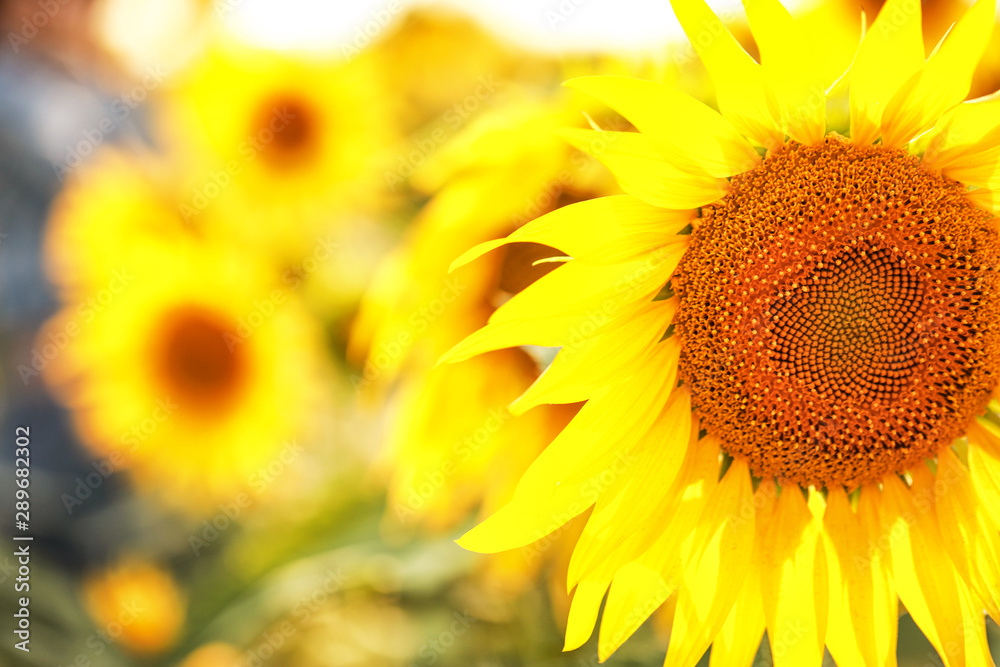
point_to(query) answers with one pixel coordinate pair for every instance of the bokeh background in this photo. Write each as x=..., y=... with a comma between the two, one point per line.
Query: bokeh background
x=225, y=233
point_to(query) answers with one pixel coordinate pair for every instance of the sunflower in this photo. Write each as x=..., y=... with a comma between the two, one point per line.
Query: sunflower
x=216, y=654
x=287, y=143
x=198, y=374
x=442, y=469
x=787, y=341
x=428, y=42
x=135, y=604
x=110, y=215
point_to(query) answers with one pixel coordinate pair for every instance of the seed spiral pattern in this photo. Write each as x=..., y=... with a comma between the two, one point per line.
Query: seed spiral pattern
x=839, y=314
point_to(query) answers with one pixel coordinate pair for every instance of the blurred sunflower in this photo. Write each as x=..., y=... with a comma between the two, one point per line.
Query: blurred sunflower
x=444, y=66
x=288, y=144
x=216, y=654
x=196, y=373
x=789, y=344
x=505, y=168
x=136, y=605
x=110, y=215
x=938, y=17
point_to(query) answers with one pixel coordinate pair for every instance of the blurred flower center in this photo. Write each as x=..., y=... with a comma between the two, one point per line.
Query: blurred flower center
x=288, y=130
x=202, y=358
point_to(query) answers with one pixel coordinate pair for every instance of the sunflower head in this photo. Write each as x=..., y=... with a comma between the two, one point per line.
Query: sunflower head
x=786, y=335
x=216, y=654
x=195, y=373
x=110, y=215
x=137, y=604
x=282, y=142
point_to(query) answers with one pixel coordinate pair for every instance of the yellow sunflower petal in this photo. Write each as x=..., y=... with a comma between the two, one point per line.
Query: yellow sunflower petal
x=984, y=466
x=943, y=82
x=740, y=83
x=890, y=53
x=604, y=229
x=923, y=573
x=657, y=545
x=965, y=140
x=738, y=640
x=588, y=363
x=583, y=612
x=652, y=469
x=969, y=535
x=978, y=168
x=885, y=603
x=842, y=530
x=796, y=81
x=609, y=525
x=986, y=434
x=520, y=522
x=556, y=306
x=794, y=583
x=636, y=592
x=544, y=500
x=977, y=648
x=863, y=610
x=590, y=453
x=688, y=133
x=986, y=199
x=642, y=171
x=585, y=559
x=716, y=568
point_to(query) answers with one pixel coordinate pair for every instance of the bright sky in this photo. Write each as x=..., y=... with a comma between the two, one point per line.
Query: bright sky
x=541, y=24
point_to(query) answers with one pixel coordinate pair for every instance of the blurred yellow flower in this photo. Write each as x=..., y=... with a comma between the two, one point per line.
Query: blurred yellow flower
x=453, y=447
x=136, y=605
x=111, y=214
x=358, y=630
x=288, y=144
x=436, y=61
x=197, y=371
x=938, y=18
x=216, y=654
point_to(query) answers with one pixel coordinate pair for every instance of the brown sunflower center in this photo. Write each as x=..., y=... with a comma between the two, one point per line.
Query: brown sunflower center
x=201, y=358
x=849, y=327
x=840, y=314
x=287, y=130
